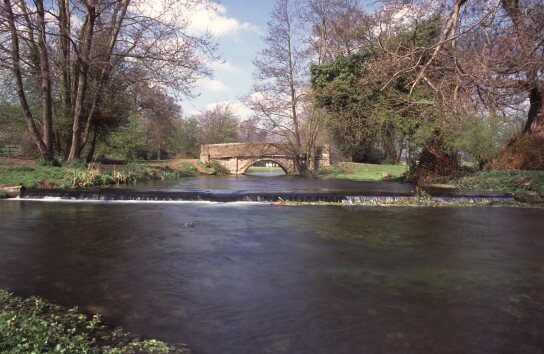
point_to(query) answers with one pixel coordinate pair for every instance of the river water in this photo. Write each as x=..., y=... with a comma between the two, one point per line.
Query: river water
x=261, y=278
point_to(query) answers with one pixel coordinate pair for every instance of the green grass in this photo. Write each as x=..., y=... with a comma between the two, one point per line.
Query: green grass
x=254, y=169
x=32, y=176
x=362, y=172
x=33, y=325
x=39, y=176
x=526, y=185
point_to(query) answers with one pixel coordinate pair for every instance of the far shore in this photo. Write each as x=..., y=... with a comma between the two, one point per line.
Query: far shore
x=16, y=173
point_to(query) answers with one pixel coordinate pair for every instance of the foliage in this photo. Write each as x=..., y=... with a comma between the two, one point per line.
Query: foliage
x=33, y=325
x=203, y=167
x=186, y=141
x=159, y=113
x=127, y=142
x=436, y=159
x=350, y=121
x=482, y=139
x=373, y=116
x=95, y=176
x=218, y=168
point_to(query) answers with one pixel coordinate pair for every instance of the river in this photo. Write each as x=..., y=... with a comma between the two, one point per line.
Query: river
x=262, y=278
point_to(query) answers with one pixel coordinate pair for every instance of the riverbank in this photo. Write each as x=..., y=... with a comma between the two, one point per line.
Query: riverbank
x=34, y=325
x=30, y=174
x=525, y=186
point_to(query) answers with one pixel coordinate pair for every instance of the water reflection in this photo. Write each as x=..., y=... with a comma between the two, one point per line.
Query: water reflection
x=235, y=278
x=258, y=183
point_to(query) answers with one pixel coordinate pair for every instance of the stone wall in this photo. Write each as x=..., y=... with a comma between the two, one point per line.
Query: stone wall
x=221, y=151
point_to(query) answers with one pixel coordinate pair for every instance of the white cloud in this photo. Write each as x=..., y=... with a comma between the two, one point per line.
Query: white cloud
x=224, y=66
x=200, y=18
x=241, y=111
x=214, y=19
x=213, y=85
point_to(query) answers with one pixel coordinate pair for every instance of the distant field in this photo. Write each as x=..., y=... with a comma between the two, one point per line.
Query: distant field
x=368, y=172
x=264, y=169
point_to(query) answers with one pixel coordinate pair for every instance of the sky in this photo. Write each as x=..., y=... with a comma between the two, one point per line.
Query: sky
x=239, y=26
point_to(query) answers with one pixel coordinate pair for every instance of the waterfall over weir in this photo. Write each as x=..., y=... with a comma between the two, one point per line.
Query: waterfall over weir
x=228, y=196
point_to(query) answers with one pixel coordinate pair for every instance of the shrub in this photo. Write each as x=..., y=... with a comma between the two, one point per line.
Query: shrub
x=218, y=168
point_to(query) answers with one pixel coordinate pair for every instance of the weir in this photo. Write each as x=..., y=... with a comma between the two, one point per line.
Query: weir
x=247, y=196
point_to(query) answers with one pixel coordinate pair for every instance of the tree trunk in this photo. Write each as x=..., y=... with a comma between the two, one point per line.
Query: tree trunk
x=92, y=148
x=65, y=87
x=45, y=73
x=45, y=151
x=535, y=117
x=82, y=82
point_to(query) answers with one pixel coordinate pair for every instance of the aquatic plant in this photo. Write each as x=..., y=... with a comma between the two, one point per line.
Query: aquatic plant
x=33, y=325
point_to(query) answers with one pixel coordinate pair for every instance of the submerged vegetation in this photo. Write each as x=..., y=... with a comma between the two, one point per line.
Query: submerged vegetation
x=33, y=325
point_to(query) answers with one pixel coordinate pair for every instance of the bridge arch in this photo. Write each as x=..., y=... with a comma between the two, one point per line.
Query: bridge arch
x=253, y=162
x=236, y=158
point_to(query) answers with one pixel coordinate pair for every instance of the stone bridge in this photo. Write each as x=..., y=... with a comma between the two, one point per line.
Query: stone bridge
x=238, y=157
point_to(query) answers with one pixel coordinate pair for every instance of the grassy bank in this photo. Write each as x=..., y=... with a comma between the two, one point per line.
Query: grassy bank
x=525, y=185
x=33, y=325
x=35, y=175
x=361, y=171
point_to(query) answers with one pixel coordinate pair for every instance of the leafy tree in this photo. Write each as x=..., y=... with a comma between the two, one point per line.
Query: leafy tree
x=482, y=139
x=186, y=141
x=159, y=113
x=128, y=142
x=349, y=120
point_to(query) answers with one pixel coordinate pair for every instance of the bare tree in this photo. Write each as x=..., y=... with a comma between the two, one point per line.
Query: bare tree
x=86, y=45
x=280, y=79
x=495, y=50
x=218, y=125
x=249, y=131
x=334, y=28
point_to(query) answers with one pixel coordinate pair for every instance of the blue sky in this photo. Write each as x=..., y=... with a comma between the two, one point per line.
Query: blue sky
x=239, y=26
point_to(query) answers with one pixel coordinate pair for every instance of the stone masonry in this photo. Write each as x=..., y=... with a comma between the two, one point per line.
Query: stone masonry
x=238, y=157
